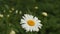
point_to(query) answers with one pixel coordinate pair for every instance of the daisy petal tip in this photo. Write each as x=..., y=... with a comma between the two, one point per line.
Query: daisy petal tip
x=37, y=30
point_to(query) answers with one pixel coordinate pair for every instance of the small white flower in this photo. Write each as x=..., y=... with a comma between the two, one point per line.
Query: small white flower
x=20, y=12
x=16, y=11
x=10, y=11
x=44, y=13
x=4, y=11
x=12, y=8
x=1, y=15
x=8, y=15
x=12, y=32
x=30, y=23
x=36, y=7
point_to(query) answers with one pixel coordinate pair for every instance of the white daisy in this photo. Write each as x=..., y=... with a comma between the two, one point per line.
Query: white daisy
x=30, y=23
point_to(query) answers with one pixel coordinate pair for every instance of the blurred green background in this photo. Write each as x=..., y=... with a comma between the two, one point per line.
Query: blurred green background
x=11, y=11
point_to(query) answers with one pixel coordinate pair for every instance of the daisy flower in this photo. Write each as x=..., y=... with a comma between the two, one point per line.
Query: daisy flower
x=30, y=23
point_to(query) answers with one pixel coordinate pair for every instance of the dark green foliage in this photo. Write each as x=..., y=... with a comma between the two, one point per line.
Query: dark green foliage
x=51, y=23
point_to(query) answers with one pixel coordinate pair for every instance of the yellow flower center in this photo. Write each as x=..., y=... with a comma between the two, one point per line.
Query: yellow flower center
x=30, y=23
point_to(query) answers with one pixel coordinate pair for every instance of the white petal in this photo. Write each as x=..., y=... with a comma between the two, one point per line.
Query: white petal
x=24, y=26
x=24, y=17
x=31, y=29
x=35, y=18
x=37, y=29
x=31, y=17
x=23, y=21
x=34, y=29
x=40, y=26
x=28, y=16
x=27, y=29
x=38, y=21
